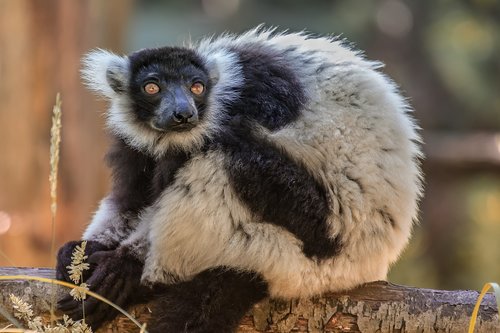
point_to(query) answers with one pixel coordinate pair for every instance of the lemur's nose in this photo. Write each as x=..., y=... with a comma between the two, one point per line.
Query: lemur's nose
x=184, y=115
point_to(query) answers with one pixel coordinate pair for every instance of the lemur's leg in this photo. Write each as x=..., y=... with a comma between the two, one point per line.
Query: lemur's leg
x=213, y=301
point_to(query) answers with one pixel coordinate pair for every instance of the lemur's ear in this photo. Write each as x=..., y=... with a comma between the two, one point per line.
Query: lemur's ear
x=105, y=72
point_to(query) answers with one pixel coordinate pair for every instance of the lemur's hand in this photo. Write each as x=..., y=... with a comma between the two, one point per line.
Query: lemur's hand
x=64, y=258
x=116, y=276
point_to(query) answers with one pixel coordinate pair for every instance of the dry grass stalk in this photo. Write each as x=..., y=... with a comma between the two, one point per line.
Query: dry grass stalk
x=23, y=311
x=78, y=265
x=55, y=140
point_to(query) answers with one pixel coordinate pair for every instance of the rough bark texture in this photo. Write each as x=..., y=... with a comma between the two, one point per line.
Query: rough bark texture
x=376, y=307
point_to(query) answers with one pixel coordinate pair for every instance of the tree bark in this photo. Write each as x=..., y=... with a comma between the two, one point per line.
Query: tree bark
x=375, y=307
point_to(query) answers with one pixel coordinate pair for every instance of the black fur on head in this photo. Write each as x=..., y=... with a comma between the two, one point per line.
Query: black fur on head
x=172, y=71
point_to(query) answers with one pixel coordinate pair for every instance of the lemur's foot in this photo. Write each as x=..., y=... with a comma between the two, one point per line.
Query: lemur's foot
x=213, y=301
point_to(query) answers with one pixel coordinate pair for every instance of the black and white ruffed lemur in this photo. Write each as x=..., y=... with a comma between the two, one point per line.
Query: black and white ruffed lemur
x=265, y=164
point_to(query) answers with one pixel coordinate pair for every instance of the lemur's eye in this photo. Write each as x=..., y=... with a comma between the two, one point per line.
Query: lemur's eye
x=197, y=88
x=151, y=88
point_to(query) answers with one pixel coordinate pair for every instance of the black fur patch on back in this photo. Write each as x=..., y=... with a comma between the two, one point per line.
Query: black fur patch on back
x=279, y=190
x=271, y=94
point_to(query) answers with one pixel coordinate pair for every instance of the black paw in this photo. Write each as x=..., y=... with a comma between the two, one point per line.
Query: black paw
x=64, y=258
x=116, y=276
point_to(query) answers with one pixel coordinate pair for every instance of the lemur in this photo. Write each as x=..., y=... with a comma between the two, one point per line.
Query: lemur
x=243, y=167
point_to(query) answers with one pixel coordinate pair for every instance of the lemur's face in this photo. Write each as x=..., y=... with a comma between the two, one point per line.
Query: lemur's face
x=164, y=98
x=168, y=88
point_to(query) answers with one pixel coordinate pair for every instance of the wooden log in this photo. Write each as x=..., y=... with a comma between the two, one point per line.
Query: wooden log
x=375, y=307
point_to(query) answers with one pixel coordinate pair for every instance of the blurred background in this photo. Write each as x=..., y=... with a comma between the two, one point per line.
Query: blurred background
x=445, y=55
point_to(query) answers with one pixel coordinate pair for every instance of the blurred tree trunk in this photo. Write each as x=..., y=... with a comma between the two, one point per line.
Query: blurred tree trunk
x=42, y=43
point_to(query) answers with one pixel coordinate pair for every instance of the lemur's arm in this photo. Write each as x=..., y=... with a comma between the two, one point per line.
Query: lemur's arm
x=116, y=272
x=131, y=192
x=281, y=191
x=116, y=217
x=116, y=240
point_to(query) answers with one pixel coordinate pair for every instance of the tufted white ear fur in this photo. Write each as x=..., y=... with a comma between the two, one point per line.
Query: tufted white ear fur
x=105, y=73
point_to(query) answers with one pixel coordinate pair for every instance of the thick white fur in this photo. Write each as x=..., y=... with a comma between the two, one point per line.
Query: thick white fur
x=354, y=135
